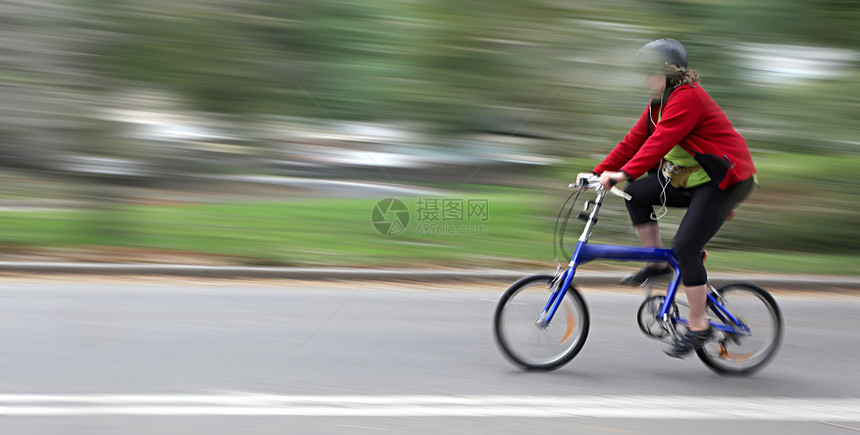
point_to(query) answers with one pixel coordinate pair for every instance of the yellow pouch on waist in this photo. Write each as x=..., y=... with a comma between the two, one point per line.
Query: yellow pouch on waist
x=677, y=175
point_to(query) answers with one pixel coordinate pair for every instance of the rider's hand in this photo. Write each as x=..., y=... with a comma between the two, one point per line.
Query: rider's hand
x=582, y=175
x=608, y=176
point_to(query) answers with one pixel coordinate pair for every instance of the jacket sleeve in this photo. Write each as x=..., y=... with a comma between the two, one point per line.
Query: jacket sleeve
x=627, y=148
x=683, y=111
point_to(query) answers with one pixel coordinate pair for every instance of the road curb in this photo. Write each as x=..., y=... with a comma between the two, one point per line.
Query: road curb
x=584, y=278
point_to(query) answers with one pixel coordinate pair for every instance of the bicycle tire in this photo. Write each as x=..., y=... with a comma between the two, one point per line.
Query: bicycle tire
x=744, y=355
x=518, y=310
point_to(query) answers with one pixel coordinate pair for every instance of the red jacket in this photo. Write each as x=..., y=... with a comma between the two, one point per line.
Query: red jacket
x=691, y=119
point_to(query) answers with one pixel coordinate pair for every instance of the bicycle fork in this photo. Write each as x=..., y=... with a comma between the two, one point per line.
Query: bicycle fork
x=559, y=286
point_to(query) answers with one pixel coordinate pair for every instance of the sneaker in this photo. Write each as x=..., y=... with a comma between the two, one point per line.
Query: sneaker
x=691, y=341
x=647, y=272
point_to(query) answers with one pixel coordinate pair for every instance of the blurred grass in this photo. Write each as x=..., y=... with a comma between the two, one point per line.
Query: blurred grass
x=300, y=232
x=802, y=220
x=338, y=232
x=782, y=262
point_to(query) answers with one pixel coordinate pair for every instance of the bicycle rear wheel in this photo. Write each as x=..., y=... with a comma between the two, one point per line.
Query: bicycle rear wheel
x=519, y=334
x=744, y=353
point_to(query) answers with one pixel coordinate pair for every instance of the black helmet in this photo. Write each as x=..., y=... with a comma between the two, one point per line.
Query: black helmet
x=663, y=52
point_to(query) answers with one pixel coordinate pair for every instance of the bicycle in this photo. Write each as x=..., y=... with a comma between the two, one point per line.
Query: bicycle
x=541, y=322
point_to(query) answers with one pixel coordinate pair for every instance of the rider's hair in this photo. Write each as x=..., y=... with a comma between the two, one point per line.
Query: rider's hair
x=677, y=76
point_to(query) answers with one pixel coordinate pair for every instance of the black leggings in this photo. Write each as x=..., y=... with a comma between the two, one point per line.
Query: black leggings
x=708, y=207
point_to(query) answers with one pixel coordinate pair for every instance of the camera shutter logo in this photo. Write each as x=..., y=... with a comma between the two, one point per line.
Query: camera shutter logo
x=390, y=217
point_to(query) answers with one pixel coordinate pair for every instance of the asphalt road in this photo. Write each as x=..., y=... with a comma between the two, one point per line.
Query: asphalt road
x=156, y=356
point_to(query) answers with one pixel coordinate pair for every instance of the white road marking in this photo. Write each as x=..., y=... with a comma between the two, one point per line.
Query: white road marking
x=249, y=404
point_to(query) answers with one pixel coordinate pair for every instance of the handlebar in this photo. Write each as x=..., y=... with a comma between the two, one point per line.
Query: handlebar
x=584, y=183
x=593, y=182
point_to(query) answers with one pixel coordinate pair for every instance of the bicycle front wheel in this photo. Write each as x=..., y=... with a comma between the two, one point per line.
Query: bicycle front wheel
x=758, y=336
x=520, y=335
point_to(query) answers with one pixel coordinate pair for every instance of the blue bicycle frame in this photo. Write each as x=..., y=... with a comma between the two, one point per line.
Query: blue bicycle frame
x=585, y=253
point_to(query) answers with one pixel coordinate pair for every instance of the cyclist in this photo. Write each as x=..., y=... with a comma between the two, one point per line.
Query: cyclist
x=695, y=159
